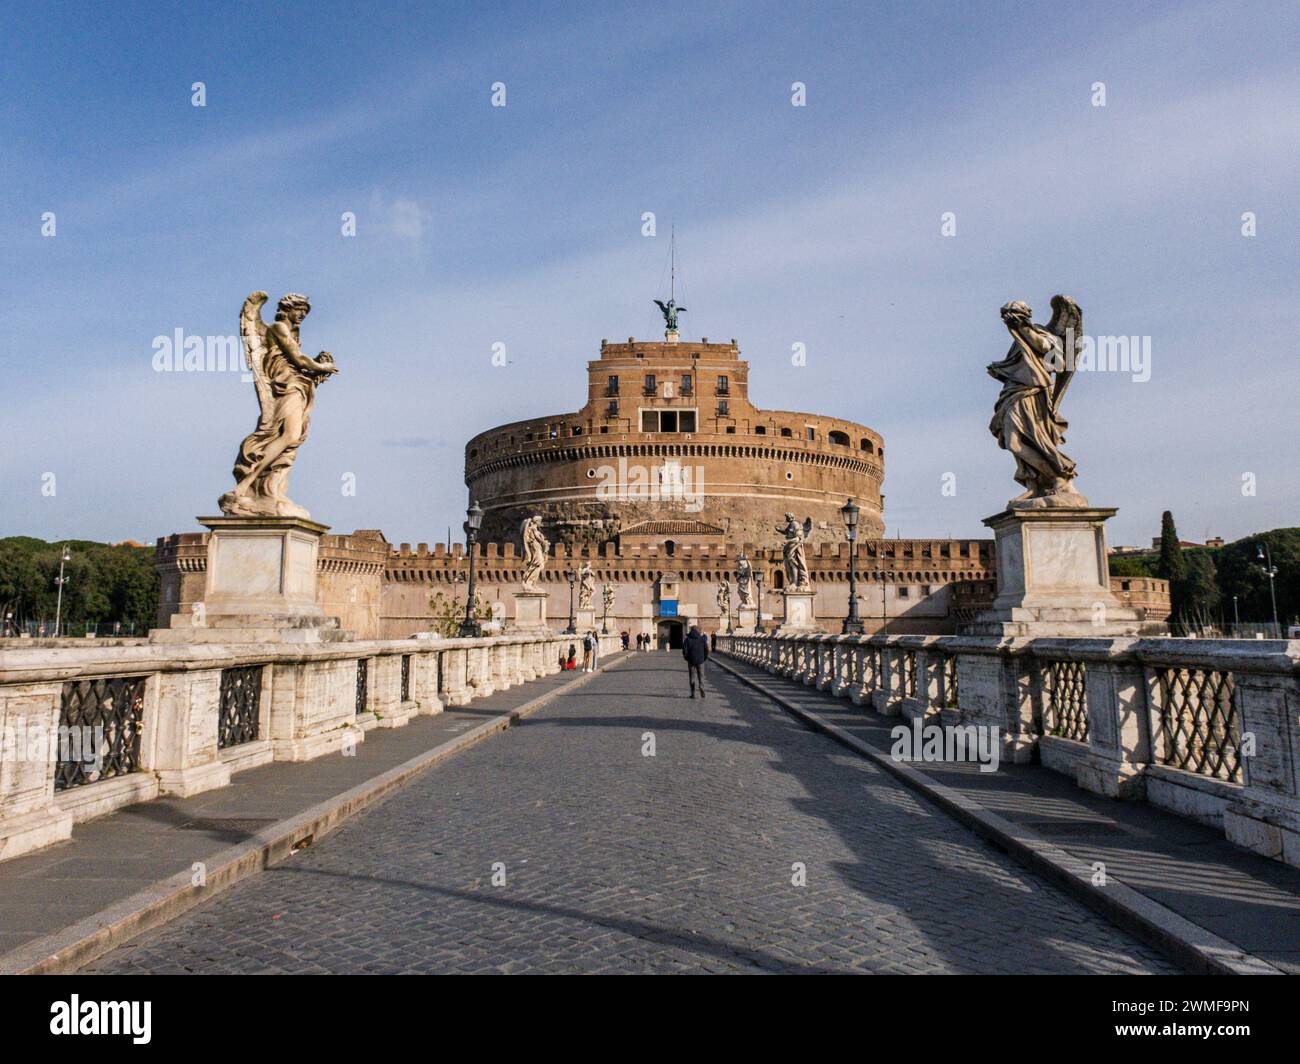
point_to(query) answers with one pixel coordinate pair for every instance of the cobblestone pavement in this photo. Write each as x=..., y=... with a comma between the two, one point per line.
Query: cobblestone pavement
x=615, y=861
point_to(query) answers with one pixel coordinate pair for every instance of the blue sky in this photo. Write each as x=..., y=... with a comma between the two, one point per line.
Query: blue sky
x=522, y=225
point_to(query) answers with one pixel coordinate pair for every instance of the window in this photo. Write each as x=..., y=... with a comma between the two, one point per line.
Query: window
x=668, y=420
x=731, y=430
x=723, y=388
x=760, y=430
x=612, y=410
x=670, y=548
x=866, y=445
x=649, y=384
x=925, y=590
x=904, y=592
x=723, y=408
x=786, y=433
x=576, y=430
x=840, y=438
x=611, y=386
x=686, y=384
x=812, y=432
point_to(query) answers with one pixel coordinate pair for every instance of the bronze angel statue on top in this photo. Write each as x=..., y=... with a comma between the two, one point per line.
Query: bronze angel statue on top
x=670, y=310
x=286, y=381
x=1027, y=418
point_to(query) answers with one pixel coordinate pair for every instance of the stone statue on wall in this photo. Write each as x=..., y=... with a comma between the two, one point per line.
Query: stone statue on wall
x=285, y=380
x=796, y=564
x=586, y=586
x=744, y=581
x=724, y=597
x=535, y=547
x=1027, y=419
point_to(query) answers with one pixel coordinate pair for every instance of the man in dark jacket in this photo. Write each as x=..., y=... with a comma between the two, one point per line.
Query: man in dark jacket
x=695, y=649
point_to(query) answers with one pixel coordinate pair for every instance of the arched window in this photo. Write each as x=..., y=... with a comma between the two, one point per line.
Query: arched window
x=778, y=580
x=786, y=433
x=866, y=445
x=669, y=547
x=840, y=438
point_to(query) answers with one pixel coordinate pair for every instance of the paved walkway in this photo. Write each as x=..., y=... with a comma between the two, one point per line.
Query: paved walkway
x=110, y=859
x=614, y=861
x=1192, y=869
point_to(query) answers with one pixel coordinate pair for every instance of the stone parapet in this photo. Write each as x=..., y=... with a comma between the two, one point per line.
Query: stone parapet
x=1204, y=728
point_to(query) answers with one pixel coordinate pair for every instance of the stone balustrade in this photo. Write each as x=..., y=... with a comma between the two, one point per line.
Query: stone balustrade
x=87, y=730
x=1209, y=729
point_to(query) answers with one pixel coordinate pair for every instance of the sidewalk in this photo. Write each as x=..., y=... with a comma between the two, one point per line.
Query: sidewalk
x=1178, y=883
x=132, y=870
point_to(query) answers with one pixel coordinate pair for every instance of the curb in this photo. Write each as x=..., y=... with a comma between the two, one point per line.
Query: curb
x=1189, y=945
x=77, y=945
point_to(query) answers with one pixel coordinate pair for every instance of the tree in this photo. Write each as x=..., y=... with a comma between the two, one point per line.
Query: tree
x=1201, y=596
x=1172, y=566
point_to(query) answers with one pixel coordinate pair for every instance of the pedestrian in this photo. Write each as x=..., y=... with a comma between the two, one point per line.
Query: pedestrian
x=572, y=663
x=713, y=643
x=627, y=639
x=590, y=650
x=695, y=649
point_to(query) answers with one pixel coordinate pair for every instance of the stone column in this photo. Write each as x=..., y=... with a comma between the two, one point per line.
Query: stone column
x=29, y=816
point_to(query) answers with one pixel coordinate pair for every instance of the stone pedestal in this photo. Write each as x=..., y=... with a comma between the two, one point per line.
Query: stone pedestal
x=1053, y=576
x=260, y=586
x=798, y=617
x=530, y=611
x=585, y=620
x=746, y=620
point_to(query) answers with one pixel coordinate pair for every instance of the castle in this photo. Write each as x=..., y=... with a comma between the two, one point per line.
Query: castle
x=660, y=480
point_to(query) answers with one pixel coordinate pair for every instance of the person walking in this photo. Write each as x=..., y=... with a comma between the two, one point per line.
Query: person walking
x=590, y=652
x=695, y=649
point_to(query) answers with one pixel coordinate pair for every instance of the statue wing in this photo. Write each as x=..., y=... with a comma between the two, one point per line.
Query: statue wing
x=1067, y=324
x=660, y=304
x=256, y=348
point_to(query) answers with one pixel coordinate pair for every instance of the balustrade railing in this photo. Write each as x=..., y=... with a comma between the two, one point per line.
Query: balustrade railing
x=1206, y=728
x=131, y=721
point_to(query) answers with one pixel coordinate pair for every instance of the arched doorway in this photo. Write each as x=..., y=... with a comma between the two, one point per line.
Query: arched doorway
x=669, y=634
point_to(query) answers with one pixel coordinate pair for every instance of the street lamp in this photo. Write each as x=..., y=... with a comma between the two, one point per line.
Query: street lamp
x=470, y=626
x=758, y=583
x=571, y=576
x=852, y=624
x=1265, y=556
x=604, y=617
x=60, y=580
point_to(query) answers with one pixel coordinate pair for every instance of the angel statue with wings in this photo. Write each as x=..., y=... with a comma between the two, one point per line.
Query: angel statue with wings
x=535, y=547
x=286, y=381
x=796, y=565
x=1027, y=418
x=744, y=581
x=670, y=310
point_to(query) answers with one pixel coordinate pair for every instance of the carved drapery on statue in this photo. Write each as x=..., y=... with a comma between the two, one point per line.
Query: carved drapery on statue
x=285, y=380
x=586, y=586
x=1027, y=419
x=744, y=582
x=796, y=564
x=535, y=547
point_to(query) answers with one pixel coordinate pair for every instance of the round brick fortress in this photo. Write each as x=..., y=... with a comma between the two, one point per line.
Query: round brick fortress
x=668, y=435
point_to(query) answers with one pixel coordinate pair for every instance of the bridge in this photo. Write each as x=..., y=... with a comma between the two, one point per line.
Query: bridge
x=554, y=821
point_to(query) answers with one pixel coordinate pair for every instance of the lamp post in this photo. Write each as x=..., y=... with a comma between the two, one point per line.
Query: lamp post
x=1236, y=618
x=571, y=576
x=1265, y=556
x=758, y=583
x=470, y=626
x=59, y=581
x=852, y=624
x=604, y=617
